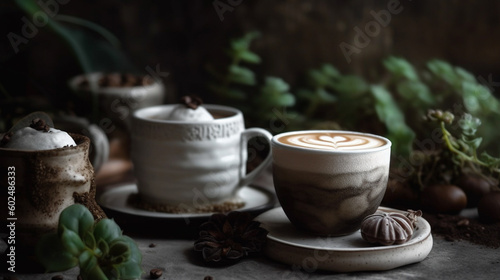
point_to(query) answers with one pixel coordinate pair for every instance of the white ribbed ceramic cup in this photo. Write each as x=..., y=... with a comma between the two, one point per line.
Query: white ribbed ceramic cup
x=188, y=166
x=324, y=186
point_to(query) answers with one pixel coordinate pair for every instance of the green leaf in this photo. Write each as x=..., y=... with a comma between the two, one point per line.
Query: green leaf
x=76, y=218
x=465, y=75
x=93, y=53
x=350, y=85
x=103, y=247
x=131, y=269
x=248, y=56
x=330, y=71
x=51, y=253
x=243, y=43
x=241, y=75
x=274, y=93
x=490, y=160
x=325, y=96
x=119, y=248
x=275, y=85
x=89, y=267
x=415, y=91
x=317, y=78
x=286, y=99
x=478, y=99
x=401, y=68
x=107, y=230
x=89, y=240
x=400, y=134
x=72, y=242
x=443, y=70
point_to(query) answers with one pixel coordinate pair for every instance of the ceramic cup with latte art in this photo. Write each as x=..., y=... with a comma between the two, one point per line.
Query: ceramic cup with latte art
x=327, y=181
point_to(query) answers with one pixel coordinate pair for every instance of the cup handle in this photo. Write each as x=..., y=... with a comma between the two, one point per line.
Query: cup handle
x=246, y=135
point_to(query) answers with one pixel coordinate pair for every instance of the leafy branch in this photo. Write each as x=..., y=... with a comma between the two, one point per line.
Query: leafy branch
x=464, y=147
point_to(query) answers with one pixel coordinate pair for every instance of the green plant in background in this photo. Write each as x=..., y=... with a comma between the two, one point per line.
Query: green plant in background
x=392, y=106
x=98, y=248
x=239, y=86
x=95, y=49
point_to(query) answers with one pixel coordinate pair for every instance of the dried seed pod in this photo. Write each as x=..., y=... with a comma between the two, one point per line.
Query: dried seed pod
x=389, y=228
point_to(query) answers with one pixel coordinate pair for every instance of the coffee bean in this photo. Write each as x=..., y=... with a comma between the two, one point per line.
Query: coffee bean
x=57, y=277
x=152, y=245
x=155, y=273
x=208, y=278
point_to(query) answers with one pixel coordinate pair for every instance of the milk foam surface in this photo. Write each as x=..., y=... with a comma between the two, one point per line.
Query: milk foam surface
x=332, y=141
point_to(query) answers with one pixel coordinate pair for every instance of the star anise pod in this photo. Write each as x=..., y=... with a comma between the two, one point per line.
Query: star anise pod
x=229, y=238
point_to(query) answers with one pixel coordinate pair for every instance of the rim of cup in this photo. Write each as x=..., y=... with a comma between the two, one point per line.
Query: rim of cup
x=276, y=142
x=147, y=113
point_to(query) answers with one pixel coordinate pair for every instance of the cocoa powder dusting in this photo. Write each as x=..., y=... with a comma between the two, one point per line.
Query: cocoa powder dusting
x=456, y=228
x=224, y=207
x=87, y=199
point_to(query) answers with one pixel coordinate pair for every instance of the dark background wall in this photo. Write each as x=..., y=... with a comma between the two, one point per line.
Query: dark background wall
x=181, y=37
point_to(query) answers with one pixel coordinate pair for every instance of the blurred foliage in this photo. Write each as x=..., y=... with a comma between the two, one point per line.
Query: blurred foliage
x=95, y=49
x=328, y=99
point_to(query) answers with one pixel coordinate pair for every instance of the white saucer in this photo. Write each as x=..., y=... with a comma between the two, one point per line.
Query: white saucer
x=115, y=199
x=349, y=253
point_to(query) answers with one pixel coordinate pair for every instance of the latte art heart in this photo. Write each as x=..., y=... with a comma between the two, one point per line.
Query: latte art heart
x=333, y=141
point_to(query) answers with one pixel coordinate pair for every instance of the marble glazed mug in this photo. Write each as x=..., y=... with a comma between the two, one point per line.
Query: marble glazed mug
x=186, y=167
x=327, y=181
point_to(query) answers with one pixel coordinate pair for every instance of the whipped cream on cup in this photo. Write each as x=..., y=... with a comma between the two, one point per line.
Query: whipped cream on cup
x=190, y=110
x=36, y=137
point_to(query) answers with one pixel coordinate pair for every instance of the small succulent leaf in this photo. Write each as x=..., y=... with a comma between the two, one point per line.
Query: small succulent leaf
x=135, y=254
x=490, y=160
x=76, y=218
x=241, y=75
x=51, y=253
x=317, y=78
x=243, y=43
x=89, y=240
x=103, y=246
x=416, y=91
x=107, y=230
x=330, y=71
x=287, y=100
x=401, y=68
x=325, y=96
x=465, y=75
x=89, y=267
x=248, y=56
x=390, y=114
x=350, y=85
x=443, y=70
x=129, y=270
x=119, y=248
x=72, y=242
